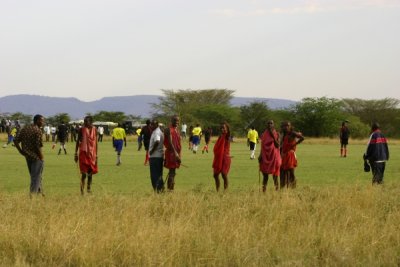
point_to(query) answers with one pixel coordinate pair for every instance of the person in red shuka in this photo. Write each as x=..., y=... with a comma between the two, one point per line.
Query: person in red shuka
x=87, y=145
x=289, y=161
x=222, y=159
x=172, y=143
x=270, y=157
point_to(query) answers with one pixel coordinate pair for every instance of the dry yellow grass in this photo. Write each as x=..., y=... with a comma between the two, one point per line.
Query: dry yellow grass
x=331, y=226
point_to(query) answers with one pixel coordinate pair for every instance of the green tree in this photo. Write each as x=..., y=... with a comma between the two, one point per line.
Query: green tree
x=213, y=115
x=22, y=118
x=58, y=119
x=114, y=116
x=255, y=114
x=183, y=102
x=385, y=111
x=318, y=117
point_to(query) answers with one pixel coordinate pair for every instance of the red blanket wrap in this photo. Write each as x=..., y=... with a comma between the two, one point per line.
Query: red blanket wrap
x=270, y=155
x=170, y=159
x=222, y=159
x=88, y=150
x=289, y=160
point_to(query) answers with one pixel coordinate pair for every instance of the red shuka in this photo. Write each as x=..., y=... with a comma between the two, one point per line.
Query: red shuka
x=289, y=160
x=170, y=159
x=222, y=159
x=270, y=155
x=88, y=150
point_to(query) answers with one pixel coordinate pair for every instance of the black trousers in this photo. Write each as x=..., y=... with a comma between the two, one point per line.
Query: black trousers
x=156, y=173
x=378, y=170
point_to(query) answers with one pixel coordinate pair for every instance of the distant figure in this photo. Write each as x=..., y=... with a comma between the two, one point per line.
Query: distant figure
x=46, y=130
x=87, y=145
x=252, y=140
x=53, y=130
x=270, y=157
x=31, y=139
x=118, y=140
x=196, y=137
x=222, y=159
x=290, y=140
x=62, y=134
x=139, y=138
x=344, y=139
x=190, y=137
x=73, y=132
x=146, y=134
x=156, y=157
x=207, y=138
x=172, y=143
x=11, y=133
x=100, y=131
x=183, y=131
x=377, y=153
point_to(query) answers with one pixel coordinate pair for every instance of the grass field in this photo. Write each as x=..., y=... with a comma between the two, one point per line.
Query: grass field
x=333, y=218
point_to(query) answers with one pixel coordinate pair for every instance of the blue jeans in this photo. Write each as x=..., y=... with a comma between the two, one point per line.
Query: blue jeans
x=156, y=174
x=35, y=168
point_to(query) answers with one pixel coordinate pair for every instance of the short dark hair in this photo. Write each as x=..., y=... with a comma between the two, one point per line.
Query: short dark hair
x=36, y=118
x=375, y=126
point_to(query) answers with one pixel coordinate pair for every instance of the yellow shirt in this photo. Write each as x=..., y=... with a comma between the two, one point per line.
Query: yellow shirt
x=252, y=135
x=119, y=133
x=138, y=131
x=196, y=131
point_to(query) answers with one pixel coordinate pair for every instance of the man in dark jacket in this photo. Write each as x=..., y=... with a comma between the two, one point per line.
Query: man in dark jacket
x=377, y=153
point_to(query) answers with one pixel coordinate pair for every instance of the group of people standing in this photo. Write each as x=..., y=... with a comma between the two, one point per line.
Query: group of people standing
x=277, y=154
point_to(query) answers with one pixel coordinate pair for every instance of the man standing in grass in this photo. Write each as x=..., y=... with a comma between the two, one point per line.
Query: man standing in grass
x=118, y=140
x=146, y=134
x=252, y=140
x=222, y=159
x=344, y=139
x=156, y=157
x=270, y=158
x=172, y=143
x=62, y=135
x=377, y=153
x=31, y=139
x=290, y=141
x=87, y=145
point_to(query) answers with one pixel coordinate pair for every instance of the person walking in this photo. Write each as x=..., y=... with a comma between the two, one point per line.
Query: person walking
x=156, y=157
x=270, y=158
x=196, y=138
x=118, y=140
x=86, y=143
x=62, y=134
x=100, y=131
x=146, y=134
x=344, y=138
x=29, y=144
x=172, y=143
x=377, y=153
x=207, y=138
x=252, y=140
x=290, y=141
x=222, y=159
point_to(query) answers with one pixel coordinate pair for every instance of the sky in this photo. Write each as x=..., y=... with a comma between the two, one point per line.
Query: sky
x=91, y=49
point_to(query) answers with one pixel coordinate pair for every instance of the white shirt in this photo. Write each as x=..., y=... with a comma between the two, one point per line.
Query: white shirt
x=184, y=126
x=157, y=135
x=100, y=130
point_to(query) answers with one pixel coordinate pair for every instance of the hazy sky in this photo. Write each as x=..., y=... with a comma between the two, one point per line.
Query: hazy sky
x=90, y=49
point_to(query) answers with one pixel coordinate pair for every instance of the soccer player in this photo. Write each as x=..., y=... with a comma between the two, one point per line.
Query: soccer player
x=118, y=140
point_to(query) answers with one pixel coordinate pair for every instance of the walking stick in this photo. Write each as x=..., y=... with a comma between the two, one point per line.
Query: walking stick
x=259, y=181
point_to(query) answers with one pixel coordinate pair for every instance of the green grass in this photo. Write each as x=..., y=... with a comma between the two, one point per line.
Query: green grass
x=319, y=165
x=333, y=218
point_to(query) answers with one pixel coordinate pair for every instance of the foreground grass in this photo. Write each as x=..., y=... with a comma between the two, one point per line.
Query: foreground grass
x=334, y=218
x=332, y=226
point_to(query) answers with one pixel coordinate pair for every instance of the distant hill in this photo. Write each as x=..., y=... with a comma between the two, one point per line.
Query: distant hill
x=135, y=105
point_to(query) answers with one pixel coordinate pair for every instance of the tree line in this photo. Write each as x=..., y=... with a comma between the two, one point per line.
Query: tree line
x=314, y=117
